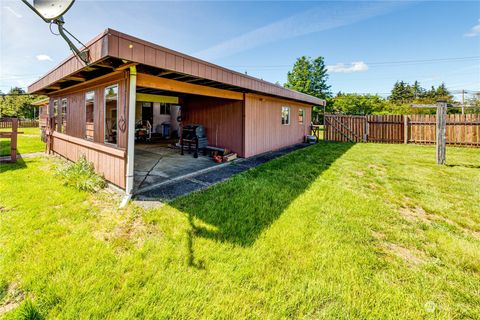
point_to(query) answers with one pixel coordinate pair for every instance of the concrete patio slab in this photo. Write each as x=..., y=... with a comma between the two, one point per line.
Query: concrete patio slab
x=156, y=164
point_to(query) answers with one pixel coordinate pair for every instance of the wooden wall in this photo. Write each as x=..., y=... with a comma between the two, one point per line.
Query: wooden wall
x=109, y=162
x=76, y=109
x=264, y=130
x=222, y=119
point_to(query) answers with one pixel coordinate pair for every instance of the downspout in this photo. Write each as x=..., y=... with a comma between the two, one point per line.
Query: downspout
x=130, y=135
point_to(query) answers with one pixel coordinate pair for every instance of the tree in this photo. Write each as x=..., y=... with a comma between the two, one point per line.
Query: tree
x=310, y=77
x=418, y=91
x=442, y=93
x=401, y=93
x=356, y=104
x=16, y=103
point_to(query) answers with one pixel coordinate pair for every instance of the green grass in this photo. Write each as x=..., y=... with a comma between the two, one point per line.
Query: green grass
x=331, y=231
x=27, y=142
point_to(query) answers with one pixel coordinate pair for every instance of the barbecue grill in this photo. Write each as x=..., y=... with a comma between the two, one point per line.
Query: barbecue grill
x=193, y=134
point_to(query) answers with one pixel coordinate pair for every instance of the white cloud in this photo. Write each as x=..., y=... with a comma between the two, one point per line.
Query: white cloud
x=43, y=57
x=474, y=31
x=18, y=15
x=356, y=66
x=323, y=17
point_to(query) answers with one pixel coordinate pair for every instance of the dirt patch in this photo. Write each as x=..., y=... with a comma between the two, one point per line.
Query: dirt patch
x=14, y=298
x=418, y=214
x=415, y=214
x=378, y=235
x=134, y=231
x=412, y=257
x=379, y=169
x=359, y=173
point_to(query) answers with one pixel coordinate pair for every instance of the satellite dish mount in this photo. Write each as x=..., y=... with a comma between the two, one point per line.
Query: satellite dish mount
x=52, y=11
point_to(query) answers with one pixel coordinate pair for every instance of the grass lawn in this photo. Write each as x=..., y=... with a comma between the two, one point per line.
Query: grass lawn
x=331, y=231
x=27, y=142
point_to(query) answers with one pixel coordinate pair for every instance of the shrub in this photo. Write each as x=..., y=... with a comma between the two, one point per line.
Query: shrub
x=81, y=175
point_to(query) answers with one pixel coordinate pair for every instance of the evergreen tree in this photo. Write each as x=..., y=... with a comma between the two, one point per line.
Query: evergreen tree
x=401, y=93
x=418, y=91
x=442, y=93
x=310, y=77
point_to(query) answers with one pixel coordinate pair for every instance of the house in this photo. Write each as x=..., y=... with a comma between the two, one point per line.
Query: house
x=42, y=105
x=93, y=110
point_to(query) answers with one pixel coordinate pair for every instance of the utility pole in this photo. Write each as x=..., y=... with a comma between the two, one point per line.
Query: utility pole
x=441, y=128
x=463, y=101
x=441, y=131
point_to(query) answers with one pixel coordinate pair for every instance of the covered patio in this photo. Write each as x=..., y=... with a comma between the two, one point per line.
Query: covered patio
x=157, y=165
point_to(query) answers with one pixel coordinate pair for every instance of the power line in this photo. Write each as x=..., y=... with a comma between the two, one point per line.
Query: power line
x=398, y=62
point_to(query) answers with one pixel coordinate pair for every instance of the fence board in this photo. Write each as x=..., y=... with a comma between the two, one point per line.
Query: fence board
x=462, y=130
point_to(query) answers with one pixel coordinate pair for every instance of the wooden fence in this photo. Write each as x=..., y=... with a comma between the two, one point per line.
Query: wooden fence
x=29, y=123
x=462, y=130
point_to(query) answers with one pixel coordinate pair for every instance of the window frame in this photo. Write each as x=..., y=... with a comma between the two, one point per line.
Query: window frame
x=301, y=118
x=93, y=115
x=105, y=114
x=166, y=107
x=285, y=123
x=64, y=106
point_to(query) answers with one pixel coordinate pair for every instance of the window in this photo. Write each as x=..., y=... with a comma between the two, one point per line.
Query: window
x=111, y=101
x=55, y=115
x=164, y=108
x=300, y=116
x=285, y=115
x=63, y=128
x=89, y=108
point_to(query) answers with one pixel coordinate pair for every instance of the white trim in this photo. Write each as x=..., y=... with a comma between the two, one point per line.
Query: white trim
x=132, y=99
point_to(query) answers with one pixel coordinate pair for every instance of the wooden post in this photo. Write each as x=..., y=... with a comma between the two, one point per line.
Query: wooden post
x=365, y=124
x=13, y=140
x=441, y=131
x=405, y=129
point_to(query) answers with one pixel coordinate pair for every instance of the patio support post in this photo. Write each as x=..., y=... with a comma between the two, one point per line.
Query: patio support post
x=131, y=129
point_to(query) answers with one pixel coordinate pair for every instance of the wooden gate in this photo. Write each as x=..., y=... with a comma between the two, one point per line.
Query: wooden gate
x=345, y=128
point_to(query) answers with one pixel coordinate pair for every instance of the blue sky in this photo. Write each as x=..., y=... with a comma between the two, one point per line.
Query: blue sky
x=367, y=45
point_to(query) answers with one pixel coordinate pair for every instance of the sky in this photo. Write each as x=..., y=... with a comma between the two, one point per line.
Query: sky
x=367, y=46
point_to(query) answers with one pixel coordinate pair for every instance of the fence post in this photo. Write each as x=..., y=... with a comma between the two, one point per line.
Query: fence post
x=365, y=125
x=405, y=129
x=13, y=140
x=441, y=131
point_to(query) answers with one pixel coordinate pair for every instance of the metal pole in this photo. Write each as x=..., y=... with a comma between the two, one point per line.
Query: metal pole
x=441, y=131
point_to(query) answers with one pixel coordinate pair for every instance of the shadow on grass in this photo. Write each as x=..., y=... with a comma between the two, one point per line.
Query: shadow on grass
x=469, y=166
x=8, y=166
x=240, y=209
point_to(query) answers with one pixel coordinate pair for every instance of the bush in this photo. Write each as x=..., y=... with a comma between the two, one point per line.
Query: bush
x=81, y=175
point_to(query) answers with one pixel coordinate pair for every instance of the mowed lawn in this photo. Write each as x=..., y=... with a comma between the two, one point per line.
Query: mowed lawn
x=332, y=231
x=27, y=142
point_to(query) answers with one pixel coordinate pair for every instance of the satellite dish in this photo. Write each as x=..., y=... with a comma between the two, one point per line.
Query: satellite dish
x=52, y=9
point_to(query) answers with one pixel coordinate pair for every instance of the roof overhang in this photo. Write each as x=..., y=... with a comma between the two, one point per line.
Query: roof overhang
x=114, y=51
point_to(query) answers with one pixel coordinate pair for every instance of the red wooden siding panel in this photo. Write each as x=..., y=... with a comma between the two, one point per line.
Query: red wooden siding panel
x=264, y=130
x=222, y=119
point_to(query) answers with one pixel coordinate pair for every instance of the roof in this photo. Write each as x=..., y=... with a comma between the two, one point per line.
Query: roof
x=112, y=44
x=40, y=103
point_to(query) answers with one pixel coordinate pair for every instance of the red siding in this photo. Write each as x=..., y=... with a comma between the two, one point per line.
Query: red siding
x=264, y=130
x=222, y=119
